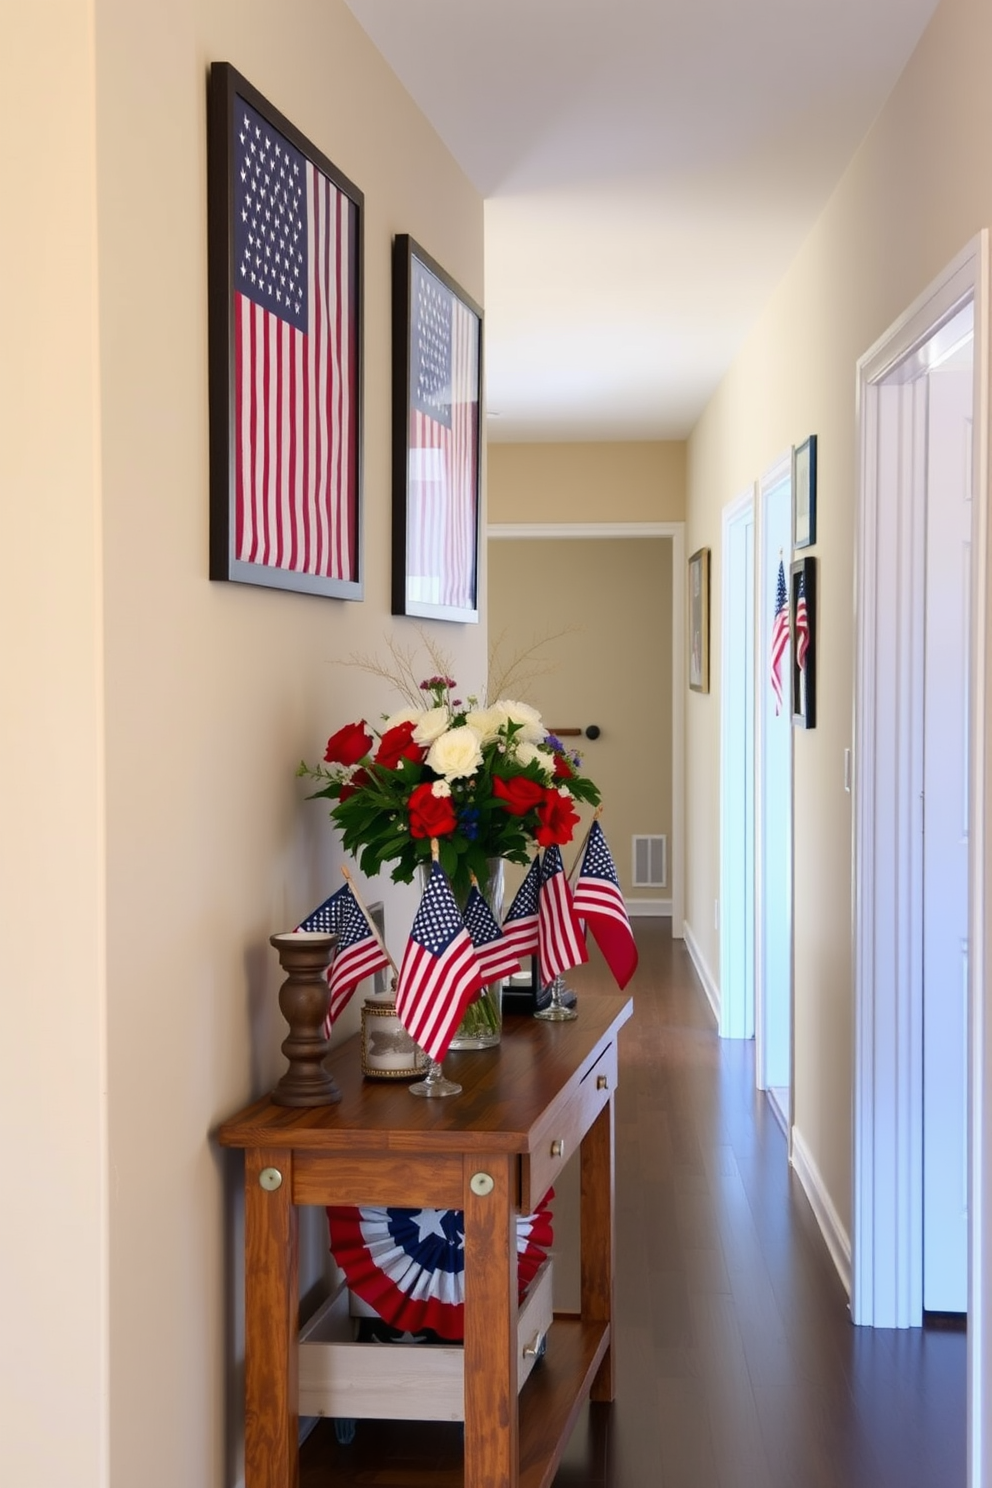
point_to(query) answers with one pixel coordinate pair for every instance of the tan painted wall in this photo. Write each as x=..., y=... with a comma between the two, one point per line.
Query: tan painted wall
x=211, y=694
x=613, y=667
x=52, y=1109
x=918, y=189
x=634, y=482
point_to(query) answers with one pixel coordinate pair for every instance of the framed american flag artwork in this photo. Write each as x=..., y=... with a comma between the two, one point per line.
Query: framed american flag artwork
x=437, y=388
x=802, y=617
x=285, y=292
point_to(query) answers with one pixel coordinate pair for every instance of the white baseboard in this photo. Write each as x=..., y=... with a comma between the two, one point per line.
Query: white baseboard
x=837, y=1239
x=710, y=986
x=660, y=907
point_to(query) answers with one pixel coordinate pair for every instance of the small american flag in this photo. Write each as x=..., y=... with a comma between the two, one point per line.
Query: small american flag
x=561, y=944
x=780, y=636
x=443, y=436
x=359, y=952
x=520, y=921
x=295, y=358
x=802, y=626
x=598, y=900
x=440, y=973
x=494, y=953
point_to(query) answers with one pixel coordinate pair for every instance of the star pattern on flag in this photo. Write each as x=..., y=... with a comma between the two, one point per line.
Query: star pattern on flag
x=270, y=218
x=432, y=346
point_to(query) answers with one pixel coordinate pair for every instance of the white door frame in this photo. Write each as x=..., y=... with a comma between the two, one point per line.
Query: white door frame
x=888, y=1115
x=776, y=475
x=675, y=532
x=736, y=995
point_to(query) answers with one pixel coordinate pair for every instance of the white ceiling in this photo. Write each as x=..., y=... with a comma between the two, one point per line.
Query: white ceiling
x=650, y=169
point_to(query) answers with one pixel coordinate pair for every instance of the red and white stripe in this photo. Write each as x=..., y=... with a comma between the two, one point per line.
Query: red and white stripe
x=561, y=943
x=296, y=458
x=432, y=992
x=355, y=962
x=442, y=462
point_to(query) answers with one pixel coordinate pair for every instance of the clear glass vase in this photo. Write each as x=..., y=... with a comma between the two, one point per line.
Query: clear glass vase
x=482, y=1022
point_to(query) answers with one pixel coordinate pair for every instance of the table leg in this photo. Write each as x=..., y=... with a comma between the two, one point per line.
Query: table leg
x=596, y=1231
x=491, y=1441
x=271, y=1315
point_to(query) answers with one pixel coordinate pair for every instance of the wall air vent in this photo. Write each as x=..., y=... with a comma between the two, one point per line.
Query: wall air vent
x=650, y=862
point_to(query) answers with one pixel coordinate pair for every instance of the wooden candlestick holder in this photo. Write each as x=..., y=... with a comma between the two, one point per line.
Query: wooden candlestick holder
x=303, y=999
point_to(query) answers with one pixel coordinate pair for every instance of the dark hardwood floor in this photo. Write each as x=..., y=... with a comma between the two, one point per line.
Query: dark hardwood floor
x=737, y=1364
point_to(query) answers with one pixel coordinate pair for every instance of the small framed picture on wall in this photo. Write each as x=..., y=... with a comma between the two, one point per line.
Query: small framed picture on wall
x=699, y=621
x=802, y=613
x=804, y=493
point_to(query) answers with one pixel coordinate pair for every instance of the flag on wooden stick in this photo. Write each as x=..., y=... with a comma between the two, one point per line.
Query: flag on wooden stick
x=440, y=974
x=520, y=921
x=495, y=954
x=358, y=953
x=561, y=944
x=598, y=901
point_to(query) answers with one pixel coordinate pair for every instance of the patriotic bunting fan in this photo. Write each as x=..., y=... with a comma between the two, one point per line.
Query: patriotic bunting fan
x=408, y=1264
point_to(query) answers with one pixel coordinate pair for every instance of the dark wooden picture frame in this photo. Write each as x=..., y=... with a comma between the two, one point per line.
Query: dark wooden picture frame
x=285, y=231
x=802, y=629
x=437, y=405
x=804, y=493
x=699, y=620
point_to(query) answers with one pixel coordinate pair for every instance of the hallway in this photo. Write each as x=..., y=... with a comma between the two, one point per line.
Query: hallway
x=737, y=1365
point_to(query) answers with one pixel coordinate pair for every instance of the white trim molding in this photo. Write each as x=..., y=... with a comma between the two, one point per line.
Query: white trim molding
x=646, y=907
x=560, y=530
x=837, y=1240
x=710, y=986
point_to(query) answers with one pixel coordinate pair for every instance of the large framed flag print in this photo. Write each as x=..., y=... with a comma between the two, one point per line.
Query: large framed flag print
x=285, y=291
x=437, y=387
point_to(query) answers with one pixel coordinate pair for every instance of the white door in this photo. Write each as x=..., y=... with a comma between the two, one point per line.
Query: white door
x=736, y=916
x=774, y=962
x=945, y=837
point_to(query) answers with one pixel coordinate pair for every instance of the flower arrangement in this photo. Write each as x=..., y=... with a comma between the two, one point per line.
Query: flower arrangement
x=484, y=781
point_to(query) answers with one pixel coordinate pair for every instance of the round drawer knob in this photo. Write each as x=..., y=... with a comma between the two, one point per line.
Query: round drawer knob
x=558, y=1147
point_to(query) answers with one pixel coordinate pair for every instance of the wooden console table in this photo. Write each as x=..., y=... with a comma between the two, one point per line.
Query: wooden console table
x=523, y=1111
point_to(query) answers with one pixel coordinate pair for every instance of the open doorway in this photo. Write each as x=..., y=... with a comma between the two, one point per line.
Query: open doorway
x=922, y=1110
x=736, y=906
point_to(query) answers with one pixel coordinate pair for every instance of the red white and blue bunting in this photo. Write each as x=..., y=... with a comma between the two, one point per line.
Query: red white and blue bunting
x=409, y=1264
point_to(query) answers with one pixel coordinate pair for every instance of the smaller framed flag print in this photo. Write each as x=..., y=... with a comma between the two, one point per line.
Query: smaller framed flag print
x=699, y=621
x=285, y=289
x=437, y=388
x=802, y=615
x=804, y=493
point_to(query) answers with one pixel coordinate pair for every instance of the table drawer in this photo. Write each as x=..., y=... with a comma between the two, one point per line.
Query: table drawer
x=561, y=1133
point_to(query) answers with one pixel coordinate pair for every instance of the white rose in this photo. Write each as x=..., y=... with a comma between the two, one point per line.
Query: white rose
x=405, y=715
x=431, y=725
x=440, y=788
x=531, y=730
x=487, y=723
x=455, y=754
x=529, y=754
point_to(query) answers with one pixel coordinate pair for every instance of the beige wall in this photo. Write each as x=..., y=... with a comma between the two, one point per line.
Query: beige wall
x=919, y=188
x=613, y=667
x=594, y=482
x=53, y=1301
x=211, y=694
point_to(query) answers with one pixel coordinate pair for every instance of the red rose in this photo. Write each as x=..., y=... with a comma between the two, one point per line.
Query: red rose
x=563, y=770
x=348, y=745
x=396, y=744
x=518, y=795
x=357, y=781
x=558, y=818
x=430, y=815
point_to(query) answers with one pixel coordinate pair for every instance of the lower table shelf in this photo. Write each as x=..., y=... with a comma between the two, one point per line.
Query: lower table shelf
x=428, y=1454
